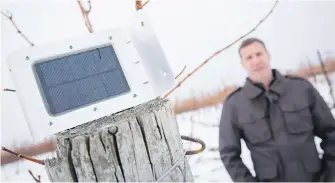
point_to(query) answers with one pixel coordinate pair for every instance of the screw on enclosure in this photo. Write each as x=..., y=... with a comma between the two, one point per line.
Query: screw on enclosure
x=137, y=62
x=110, y=37
x=50, y=123
x=95, y=109
x=27, y=58
x=128, y=42
x=134, y=95
x=142, y=23
x=146, y=82
x=71, y=47
x=113, y=130
x=11, y=90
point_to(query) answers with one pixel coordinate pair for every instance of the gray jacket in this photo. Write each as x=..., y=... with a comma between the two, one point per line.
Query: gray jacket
x=278, y=127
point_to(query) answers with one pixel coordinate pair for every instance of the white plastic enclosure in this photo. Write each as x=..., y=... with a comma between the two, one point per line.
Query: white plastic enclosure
x=64, y=84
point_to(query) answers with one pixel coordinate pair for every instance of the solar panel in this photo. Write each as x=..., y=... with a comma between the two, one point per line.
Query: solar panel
x=81, y=79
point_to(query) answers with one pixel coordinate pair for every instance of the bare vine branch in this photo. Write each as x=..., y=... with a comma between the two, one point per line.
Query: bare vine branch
x=9, y=15
x=139, y=5
x=213, y=149
x=327, y=78
x=207, y=124
x=36, y=179
x=86, y=12
x=180, y=72
x=191, y=134
x=10, y=90
x=221, y=167
x=216, y=53
x=312, y=72
x=23, y=156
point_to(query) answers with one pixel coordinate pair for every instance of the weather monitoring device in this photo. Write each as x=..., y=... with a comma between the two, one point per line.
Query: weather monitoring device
x=64, y=84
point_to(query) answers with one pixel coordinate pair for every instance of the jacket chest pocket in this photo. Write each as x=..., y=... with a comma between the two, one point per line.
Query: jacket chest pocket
x=255, y=129
x=297, y=117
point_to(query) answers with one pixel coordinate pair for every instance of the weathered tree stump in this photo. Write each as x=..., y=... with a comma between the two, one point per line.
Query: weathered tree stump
x=135, y=145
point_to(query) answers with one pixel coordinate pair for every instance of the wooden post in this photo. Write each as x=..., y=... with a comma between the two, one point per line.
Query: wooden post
x=136, y=145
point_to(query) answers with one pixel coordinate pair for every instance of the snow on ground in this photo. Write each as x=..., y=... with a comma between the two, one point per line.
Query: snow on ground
x=205, y=166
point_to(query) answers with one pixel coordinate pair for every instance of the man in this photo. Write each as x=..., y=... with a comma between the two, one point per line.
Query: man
x=278, y=117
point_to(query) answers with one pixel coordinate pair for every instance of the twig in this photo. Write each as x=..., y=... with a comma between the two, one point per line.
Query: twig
x=7, y=89
x=180, y=72
x=196, y=176
x=312, y=72
x=326, y=76
x=145, y=3
x=207, y=125
x=216, y=159
x=206, y=160
x=139, y=4
x=48, y=145
x=9, y=15
x=85, y=15
x=216, y=53
x=23, y=156
x=191, y=134
x=36, y=179
x=217, y=168
x=213, y=149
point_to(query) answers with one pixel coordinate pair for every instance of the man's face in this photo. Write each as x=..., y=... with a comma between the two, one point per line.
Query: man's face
x=256, y=60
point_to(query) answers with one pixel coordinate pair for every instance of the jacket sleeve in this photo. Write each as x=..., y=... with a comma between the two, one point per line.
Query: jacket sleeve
x=230, y=147
x=325, y=129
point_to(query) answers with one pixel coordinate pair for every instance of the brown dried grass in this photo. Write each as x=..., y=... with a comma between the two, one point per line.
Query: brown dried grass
x=213, y=99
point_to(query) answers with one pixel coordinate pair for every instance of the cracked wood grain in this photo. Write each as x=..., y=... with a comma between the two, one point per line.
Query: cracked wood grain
x=136, y=145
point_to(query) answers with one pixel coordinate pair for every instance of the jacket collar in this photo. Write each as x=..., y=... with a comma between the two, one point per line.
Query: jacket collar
x=253, y=90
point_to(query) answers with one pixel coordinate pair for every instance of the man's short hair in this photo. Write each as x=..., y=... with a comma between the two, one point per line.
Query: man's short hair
x=249, y=41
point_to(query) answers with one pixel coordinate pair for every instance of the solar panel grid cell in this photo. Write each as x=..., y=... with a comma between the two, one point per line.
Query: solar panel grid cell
x=81, y=79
